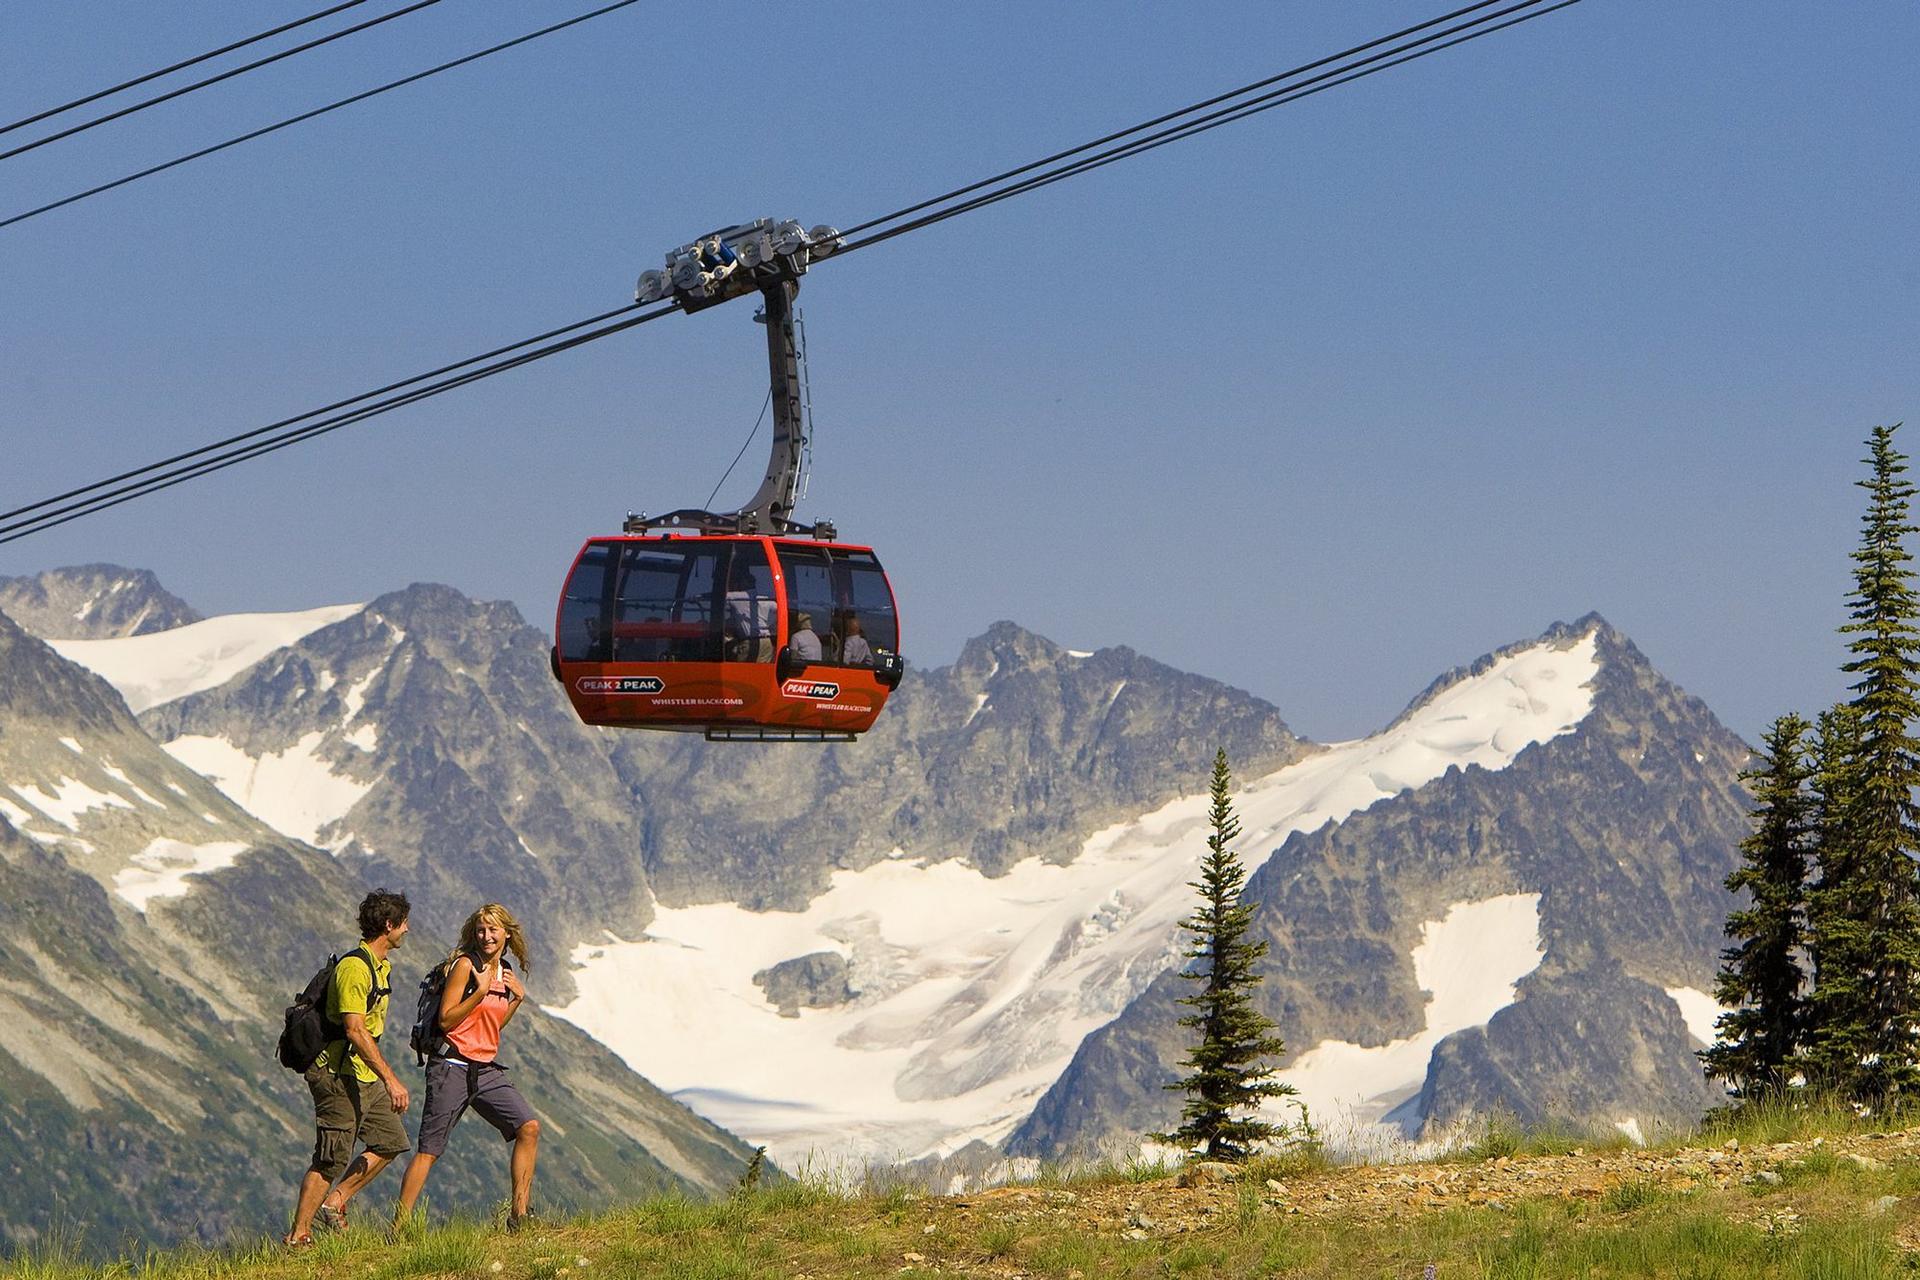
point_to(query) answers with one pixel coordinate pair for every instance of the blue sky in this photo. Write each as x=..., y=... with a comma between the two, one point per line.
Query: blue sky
x=1592, y=314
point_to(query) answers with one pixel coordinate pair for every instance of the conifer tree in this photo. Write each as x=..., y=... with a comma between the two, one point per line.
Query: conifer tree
x=1834, y=784
x=1226, y=1085
x=1866, y=918
x=1761, y=979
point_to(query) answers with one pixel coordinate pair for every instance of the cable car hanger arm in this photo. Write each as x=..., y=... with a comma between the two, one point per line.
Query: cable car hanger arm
x=767, y=258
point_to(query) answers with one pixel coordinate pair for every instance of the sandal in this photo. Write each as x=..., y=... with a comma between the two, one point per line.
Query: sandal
x=291, y=1241
x=331, y=1218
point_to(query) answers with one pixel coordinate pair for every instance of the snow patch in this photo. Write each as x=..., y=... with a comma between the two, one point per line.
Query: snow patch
x=356, y=695
x=161, y=869
x=366, y=737
x=1079, y=653
x=1698, y=1010
x=14, y=814
x=69, y=799
x=1468, y=962
x=72, y=746
x=979, y=702
x=54, y=837
x=973, y=993
x=294, y=791
x=121, y=778
x=1631, y=1128
x=164, y=665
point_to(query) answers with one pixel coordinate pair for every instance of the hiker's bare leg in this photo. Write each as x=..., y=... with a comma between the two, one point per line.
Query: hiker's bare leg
x=411, y=1184
x=313, y=1188
x=364, y=1169
x=526, y=1149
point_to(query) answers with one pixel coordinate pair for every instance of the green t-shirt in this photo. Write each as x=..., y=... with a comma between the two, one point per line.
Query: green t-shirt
x=348, y=993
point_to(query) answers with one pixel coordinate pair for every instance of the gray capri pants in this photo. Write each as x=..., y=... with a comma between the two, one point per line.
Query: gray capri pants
x=453, y=1086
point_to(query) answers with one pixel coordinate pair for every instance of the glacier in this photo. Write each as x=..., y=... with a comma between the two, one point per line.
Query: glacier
x=972, y=992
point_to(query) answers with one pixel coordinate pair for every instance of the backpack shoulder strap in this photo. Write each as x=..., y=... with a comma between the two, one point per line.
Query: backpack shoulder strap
x=375, y=991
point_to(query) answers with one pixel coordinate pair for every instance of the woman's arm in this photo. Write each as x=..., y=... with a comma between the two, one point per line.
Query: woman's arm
x=515, y=994
x=456, y=1006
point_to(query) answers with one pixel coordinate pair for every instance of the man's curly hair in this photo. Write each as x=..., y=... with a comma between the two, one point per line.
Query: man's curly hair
x=380, y=911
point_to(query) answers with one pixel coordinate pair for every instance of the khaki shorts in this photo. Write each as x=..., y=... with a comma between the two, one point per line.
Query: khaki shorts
x=346, y=1110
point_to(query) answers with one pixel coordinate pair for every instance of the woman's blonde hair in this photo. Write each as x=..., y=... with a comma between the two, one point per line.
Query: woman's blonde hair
x=470, y=934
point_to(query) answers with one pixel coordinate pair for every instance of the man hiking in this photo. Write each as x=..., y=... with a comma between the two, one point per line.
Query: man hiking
x=356, y=1095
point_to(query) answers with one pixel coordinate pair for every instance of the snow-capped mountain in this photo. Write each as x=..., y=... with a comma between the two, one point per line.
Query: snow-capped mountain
x=421, y=739
x=93, y=602
x=963, y=927
x=151, y=930
x=968, y=994
x=1537, y=938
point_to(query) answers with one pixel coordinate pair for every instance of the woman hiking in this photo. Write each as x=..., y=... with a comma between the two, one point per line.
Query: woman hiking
x=481, y=995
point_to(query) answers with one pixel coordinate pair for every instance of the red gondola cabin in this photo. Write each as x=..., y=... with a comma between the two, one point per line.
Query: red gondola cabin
x=736, y=635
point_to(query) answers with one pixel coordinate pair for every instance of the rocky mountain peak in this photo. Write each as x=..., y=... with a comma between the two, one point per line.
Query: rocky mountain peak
x=93, y=602
x=1006, y=646
x=37, y=683
x=1560, y=635
x=1590, y=856
x=434, y=607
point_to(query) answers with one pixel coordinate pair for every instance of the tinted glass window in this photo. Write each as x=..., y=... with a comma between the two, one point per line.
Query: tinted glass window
x=582, y=604
x=866, y=624
x=751, y=607
x=812, y=610
x=666, y=602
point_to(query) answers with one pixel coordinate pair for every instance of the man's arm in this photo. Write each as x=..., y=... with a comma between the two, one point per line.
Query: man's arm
x=369, y=1050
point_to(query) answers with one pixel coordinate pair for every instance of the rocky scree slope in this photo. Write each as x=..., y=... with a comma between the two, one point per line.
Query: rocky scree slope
x=150, y=933
x=1625, y=827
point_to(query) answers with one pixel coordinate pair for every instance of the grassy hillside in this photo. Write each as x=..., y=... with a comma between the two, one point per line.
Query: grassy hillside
x=1783, y=1195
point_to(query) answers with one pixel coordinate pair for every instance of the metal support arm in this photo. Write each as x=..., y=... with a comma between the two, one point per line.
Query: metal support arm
x=729, y=264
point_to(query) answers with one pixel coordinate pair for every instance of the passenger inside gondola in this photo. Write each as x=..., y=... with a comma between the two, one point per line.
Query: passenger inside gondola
x=752, y=613
x=805, y=641
x=854, y=650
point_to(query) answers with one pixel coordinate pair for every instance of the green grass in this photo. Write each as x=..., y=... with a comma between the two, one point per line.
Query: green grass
x=1817, y=1223
x=1799, y=1118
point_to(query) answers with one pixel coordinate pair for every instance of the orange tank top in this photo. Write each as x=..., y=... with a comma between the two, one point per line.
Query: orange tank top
x=478, y=1038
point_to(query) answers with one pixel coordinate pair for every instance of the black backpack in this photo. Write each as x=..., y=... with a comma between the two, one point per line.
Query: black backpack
x=426, y=1038
x=308, y=1030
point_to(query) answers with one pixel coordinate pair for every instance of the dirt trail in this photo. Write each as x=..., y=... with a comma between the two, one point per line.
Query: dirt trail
x=1165, y=1207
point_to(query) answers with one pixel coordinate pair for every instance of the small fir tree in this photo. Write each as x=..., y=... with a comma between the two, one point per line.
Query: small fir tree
x=1226, y=1085
x=1866, y=1004
x=1761, y=980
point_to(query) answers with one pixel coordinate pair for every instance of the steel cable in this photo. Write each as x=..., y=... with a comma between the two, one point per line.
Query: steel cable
x=308, y=115
x=167, y=479
x=289, y=433
x=1332, y=78
x=228, y=74
x=194, y=61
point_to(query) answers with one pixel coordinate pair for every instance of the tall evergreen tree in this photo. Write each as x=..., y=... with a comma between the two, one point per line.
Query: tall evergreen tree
x=1226, y=1085
x=1761, y=979
x=1836, y=766
x=1866, y=920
